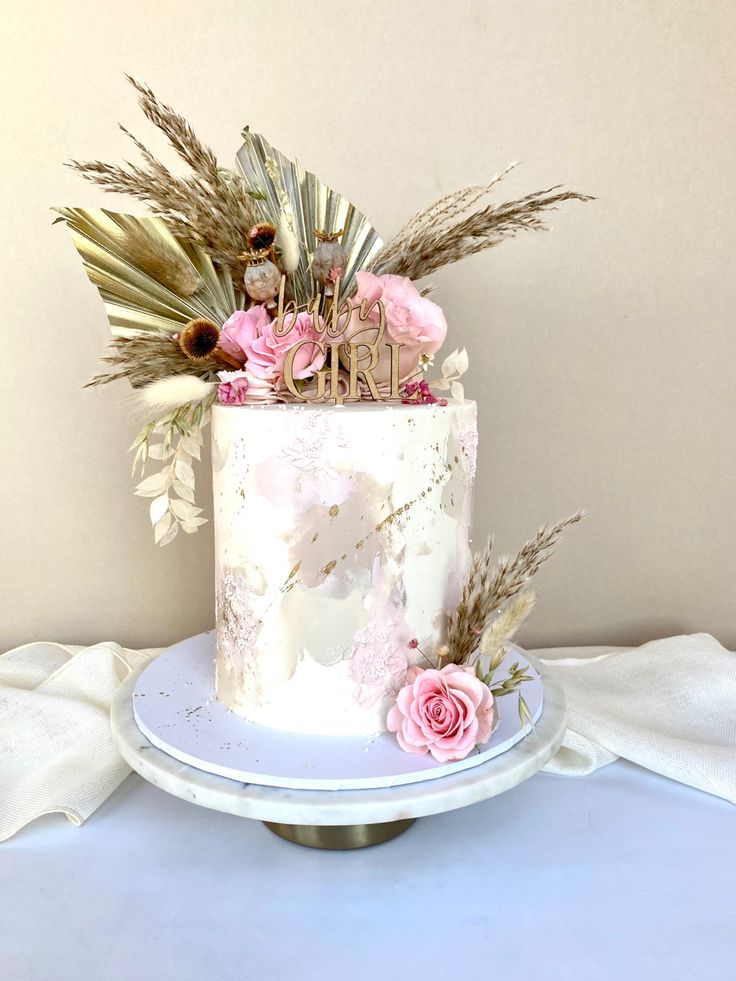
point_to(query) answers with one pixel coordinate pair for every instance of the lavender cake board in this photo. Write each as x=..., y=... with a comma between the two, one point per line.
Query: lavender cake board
x=175, y=708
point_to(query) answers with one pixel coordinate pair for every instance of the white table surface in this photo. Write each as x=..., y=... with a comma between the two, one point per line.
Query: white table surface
x=618, y=875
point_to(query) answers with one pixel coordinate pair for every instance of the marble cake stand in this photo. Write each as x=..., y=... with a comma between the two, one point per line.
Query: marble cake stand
x=340, y=818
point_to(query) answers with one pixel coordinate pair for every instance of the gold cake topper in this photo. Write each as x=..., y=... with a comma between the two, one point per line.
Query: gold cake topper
x=357, y=354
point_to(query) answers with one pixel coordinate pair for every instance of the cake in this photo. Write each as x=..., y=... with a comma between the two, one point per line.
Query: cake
x=262, y=301
x=341, y=536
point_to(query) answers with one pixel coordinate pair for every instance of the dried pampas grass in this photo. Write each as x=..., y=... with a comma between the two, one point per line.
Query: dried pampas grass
x=172, y=393
x=148, y=357
x=211, y=207
x=487, y=590
x=449, y=230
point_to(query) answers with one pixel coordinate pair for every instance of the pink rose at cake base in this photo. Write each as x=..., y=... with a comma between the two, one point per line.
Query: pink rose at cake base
x=446, y=713
x=343, y=447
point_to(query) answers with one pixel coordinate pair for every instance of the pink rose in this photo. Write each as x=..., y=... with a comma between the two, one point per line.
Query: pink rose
x=411, y=320
x=233, y=387
x=267, y=352
x=445, y=712
x=241, y=329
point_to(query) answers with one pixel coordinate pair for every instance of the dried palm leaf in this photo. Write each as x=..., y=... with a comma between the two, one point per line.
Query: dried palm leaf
x=293, y=196
x=135, y=300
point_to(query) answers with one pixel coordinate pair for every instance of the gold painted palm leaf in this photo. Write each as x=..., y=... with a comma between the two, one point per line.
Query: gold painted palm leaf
x=287, y=186
x=135, y=299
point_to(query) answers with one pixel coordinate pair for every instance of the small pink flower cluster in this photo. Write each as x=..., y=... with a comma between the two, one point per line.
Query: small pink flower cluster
x=419, y=393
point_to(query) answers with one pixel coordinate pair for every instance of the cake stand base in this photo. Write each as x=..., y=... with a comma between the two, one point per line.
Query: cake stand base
x=339, y=836
x=339, y=819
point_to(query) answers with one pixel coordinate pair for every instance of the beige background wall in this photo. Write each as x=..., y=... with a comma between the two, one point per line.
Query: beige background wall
x=602, y=353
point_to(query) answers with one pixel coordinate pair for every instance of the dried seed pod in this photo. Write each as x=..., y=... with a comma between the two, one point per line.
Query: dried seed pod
x=329, y=260
x=261, y=237
x=262, y=278
x=199, y=339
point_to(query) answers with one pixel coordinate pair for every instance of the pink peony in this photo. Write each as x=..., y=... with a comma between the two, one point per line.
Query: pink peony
x=241, y=329
x=445, y=712
x=267, y=351
x=233, y=387
x=411, y=320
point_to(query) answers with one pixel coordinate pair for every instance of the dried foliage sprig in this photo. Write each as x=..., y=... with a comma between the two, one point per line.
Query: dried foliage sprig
x=449, y=230
x=212, y=206
x=487, y=589
x=175, y=440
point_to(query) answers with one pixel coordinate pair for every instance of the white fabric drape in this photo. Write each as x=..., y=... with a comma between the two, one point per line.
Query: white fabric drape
x=56, y=749
x=669, y=706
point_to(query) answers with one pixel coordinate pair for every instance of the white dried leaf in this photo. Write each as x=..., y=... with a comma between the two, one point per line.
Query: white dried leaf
x=191, y=526
x=463, y=362
x=457, y=391
x=441, y=384
x=184, y=472
x=449, y=365
x=184, y=510
x=153, y=486
x=170, y=534
x=137, y=459
x=191, y=445
x=156, y=451
x=161, y=527
x=184, y=490
x=158, y=508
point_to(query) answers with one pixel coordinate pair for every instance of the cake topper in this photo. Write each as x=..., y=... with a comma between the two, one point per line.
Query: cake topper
x=262, y=286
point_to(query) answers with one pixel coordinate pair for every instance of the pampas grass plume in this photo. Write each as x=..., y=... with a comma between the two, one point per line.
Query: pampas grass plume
x=508, y=621
x=157, y=259
x=171, y=393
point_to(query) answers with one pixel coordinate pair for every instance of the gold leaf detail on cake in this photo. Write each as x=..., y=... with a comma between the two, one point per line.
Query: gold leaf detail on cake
x=334, y=511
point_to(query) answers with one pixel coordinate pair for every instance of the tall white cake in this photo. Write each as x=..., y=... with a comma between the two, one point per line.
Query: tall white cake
x=341, y=534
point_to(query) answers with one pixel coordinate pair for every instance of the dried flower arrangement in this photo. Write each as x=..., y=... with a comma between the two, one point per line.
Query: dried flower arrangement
x=233, y=285
x=449, y=707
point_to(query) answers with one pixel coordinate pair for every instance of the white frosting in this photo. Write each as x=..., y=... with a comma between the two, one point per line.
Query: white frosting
x=341, y=533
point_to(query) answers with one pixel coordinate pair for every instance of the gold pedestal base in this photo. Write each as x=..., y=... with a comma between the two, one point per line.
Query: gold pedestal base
x=339, y=836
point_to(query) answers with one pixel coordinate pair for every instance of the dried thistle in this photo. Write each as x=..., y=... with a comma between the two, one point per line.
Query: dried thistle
x=211, y=207
x=261, y=237
x=154, y=257
x=486, y=590
x=198, y=339
x=448, y=230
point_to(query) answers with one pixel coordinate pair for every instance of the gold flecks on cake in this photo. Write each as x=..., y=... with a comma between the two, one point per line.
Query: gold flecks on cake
x=326, y=570
x=315, y=536
x=391, y=518
x=334, y=511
